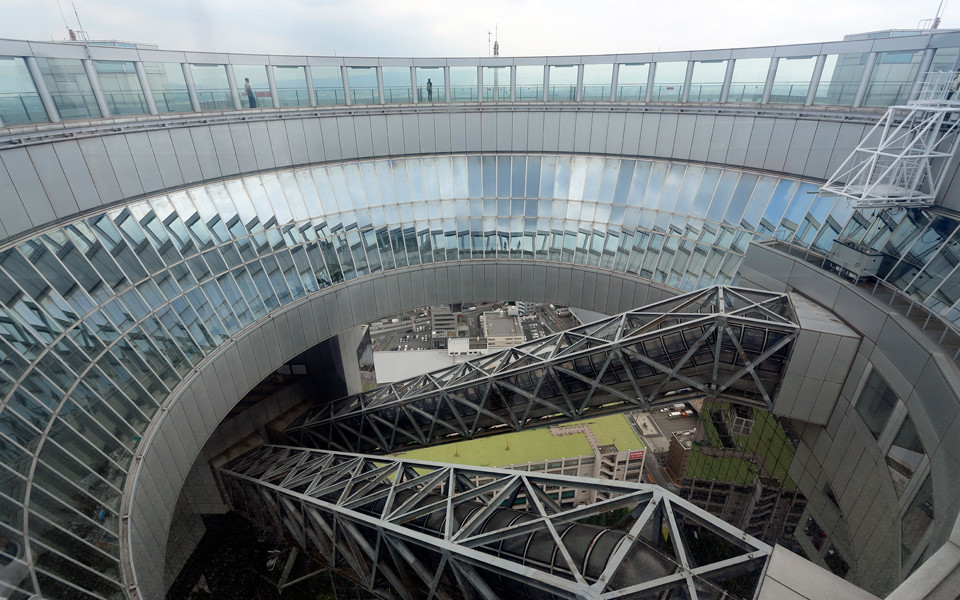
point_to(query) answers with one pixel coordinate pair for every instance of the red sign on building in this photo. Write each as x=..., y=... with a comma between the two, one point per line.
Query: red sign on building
x=635, y=454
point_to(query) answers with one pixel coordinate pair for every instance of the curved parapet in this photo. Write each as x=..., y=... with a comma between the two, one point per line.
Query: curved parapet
x=719, y=342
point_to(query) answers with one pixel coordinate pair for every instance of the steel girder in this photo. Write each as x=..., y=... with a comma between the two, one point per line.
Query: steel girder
x=719, y=343
x=421, y=530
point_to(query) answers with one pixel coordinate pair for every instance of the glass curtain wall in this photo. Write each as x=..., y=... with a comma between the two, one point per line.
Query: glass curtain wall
x=749, y=79
x=563, y=83
x=363, y=85
x=496, y=84
x=463, y=84
x=258, y=94
x=68, y=84
x=121, y=88
x=328, y=85
x=529, y=83
x=396, y=85
x=597, y=80
x=668, y=81
x=19, y=100
x=430, y=84
x=892, y=78
x=212, y=86
x=840, y=79
x=792, y=81
x=707, y=81
x=168, y=87
x=291, y=85
x=632, y=83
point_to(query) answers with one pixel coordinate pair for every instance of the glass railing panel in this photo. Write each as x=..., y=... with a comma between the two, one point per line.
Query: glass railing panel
x=529, y=83
x=892, y=78
x=749, y=79
x=396, y=85
x=430, y=86
x=597, y=80
x=945, y=59
x=496, y=84
x=840, y=79
x=632, y=83
x=212, y=87
x=707, y=80
x=68, y=84
x=363, y=85
x=291, y=85
x=168, y=87
x=563, y=83
x=328, y=85
x=792, y=81
x=121, y=87
x=668, y=81
x=463, y=84
x=253, y=86
x=19, y=100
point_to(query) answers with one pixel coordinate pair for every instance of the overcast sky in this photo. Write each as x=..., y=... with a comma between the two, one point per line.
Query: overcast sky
x=459, y=27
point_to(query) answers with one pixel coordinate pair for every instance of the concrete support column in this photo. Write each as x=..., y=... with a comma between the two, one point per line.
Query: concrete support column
x=191, y=86
x=346, y=85
x=311, y=93
x=865, y=80
x=815, y=80
x=771, y=76
x=145, y=86
x=513, y=83
x=91, y=71
x=48, y=104
x=233, y=85
x=479, y=83
x=614, y=82
x=579, y=94
x=380, y=93
x=446, y=83
x=727, y=79
x=413, y=84
x=651, y=76
x=272, y=82
x=546, y=82
x=687, y=80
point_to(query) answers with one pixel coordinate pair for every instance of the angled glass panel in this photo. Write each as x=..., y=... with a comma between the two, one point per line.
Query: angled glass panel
x=67, y=82
x=496, y=84
x=168, y=87
x=212, y=86
x=892, y=78
x=749, y=78
x=597, y=80
x=253, y=86
x=707, y=80
x=668, y=81
x=121, y=87
x=19, y=100
x=876, y=403
x=563, y=83
x=916, y=521
x=291, y=85
x=463, y=84
x=904, y=455
x=792, y=81
x=632, y=82
x=396, y=85
x=328, y=85
x=529, y=83
x=363, y=85
x=430, y=86
x=840, y=78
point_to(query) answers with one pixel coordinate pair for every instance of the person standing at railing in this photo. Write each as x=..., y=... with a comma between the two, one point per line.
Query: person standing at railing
x=429, y=90
x=251, y=97
x=954, y=86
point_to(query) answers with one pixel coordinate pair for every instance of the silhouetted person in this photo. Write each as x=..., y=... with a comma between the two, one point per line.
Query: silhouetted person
x=251, y=98
x=429, y=90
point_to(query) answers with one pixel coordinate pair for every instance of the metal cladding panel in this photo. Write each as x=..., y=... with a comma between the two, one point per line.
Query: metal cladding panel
x=582, y=132
x=539, y=291
x=453, y=283
x=348, y=137
x=740, y=140
x=313, y=135
x=395, y=134
x=616, y=123
x=800, y=146
x=720, y=139
x=428, y=135
x=518, y=140
x=286, y=329
x=380, y=292
x=563, y=286
x=473, y=130
x=667, y=132
x=702, y=135
x=551, y=131
x=277, y=140
x=418, y=297
x=345, y=308
x=781, y=140
x=243, y=147
x=458, y=132
x=166, y=157
x=207, y=152
x=226, y=150
x=296, y=142
x=683, y=138
x=438, y=279
x=599, y=124
x=146, y=162
x=441, y=123
x=185, y=152
x=42, y=165
x=534, y=133
x=847, y=140
x=330, y=137
x=649, y=133
x=504, y=131
x=411, y=134
x=760, y=144
x=633, y=124
x=488, y=131
x=526, y=287
x=333, y=314
x=568, y=130
x=118, y=153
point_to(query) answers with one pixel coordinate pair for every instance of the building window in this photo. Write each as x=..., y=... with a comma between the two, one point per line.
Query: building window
x=916, y=521
x=876, y=403
x=904, y=455
x=836, y=562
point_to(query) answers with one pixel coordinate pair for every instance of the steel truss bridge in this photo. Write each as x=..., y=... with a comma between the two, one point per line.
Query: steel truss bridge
x=421, y=531
x=414, y=530
x=719, y=343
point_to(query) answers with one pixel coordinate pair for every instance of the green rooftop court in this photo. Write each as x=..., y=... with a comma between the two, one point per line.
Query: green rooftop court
x=535, y=445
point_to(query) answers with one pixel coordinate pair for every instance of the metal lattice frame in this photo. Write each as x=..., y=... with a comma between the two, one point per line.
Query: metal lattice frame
x=900, y=162
x=421, y=530
x=720, y=342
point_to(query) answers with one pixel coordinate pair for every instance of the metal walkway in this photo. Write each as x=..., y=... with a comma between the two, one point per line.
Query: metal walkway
x=718, y=343
x=422, y=531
